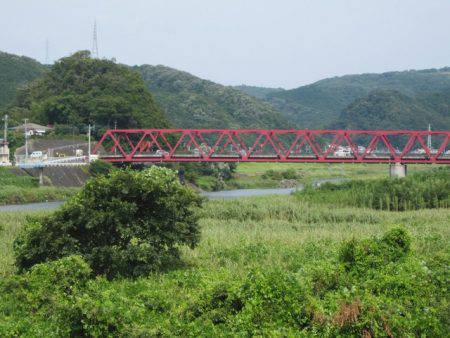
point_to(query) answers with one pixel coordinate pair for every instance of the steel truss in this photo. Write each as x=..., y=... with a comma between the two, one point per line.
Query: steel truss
x=254, y=145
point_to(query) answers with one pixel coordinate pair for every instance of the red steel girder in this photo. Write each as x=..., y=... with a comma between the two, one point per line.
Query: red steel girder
x=274, y=145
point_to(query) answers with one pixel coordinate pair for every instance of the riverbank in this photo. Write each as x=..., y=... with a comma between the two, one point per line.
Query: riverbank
x=19, y=188
x=276, y=175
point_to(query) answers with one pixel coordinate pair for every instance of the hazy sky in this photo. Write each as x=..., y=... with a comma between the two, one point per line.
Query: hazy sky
x=272, y=43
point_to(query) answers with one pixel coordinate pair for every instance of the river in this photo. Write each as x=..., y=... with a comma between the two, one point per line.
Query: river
x=226, y=194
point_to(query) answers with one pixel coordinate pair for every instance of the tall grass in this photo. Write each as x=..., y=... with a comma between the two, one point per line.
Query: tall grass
x=417, y=191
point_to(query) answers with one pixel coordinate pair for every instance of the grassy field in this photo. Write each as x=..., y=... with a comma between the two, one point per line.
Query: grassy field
x=25, y=189
x=273, y=240
x=249, y=175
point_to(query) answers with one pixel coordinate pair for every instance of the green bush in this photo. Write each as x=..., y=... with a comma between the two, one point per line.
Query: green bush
x=127, y=223
x=99, y=167
x=372, y=287
x=290, y=174
x=373, y=253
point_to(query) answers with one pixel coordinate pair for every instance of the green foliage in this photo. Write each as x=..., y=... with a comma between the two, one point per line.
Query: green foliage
x=99, y=167
x=12, y=194
x=367, y=290
x=374, y=253
x=278, y=273
x=127, y=223
x=258, y=92
x=383, y=109
x=319, y=105
x=190, y=101
x=17, y=187
x=290, y=174
x=206, y=176
x=9, y=178
x=15, y=71
x=79, y=89
x=421, y=190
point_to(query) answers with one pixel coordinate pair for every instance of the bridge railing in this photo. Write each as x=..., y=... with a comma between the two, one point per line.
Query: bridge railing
x=254, y=145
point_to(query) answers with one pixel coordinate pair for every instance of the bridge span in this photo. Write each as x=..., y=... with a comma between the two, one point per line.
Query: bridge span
x=274, y=145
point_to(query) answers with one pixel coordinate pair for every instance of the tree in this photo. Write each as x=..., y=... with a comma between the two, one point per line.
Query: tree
x=127, y=223
x=99, y=167
x=79, y=90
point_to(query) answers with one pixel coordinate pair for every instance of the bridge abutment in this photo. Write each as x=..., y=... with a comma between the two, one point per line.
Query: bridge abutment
x=397, y=170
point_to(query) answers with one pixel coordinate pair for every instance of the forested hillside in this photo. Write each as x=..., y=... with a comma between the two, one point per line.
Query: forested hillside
x=15, y=71
x=319, y=104
x=388, y=109
x=189, y=101
x=258, y=92
x=79, y=90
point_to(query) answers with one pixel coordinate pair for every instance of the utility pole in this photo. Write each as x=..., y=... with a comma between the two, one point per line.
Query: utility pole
x=89, y=143
x=26, y=137
x=115, y=128
x=429, y=137
x=5, y=132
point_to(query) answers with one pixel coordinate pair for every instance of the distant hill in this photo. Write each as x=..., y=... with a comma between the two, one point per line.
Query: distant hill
x=389, y=100
x=319, y=104
x=189, y=101
x=78, y=90
x=388, y=109
x=258, y=92
x=15, y=71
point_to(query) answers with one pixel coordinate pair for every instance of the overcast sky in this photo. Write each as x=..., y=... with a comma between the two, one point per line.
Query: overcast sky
x=271, y=43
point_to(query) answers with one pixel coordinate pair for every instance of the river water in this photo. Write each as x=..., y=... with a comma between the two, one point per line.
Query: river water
x=226, y=194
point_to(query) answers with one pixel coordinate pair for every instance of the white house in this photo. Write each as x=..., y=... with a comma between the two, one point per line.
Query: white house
x=33, y=129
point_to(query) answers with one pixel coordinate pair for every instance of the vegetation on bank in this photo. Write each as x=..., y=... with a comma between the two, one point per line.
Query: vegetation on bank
x=416, y=191
x=20, y=189
x=264, y=266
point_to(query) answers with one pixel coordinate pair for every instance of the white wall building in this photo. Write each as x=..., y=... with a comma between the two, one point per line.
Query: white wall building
x=4, y=154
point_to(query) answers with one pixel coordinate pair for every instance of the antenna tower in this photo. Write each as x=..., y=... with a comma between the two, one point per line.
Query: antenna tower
x=46, y=51
x=94, y=41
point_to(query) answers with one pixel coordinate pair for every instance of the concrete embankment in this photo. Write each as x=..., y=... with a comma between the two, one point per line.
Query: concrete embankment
x=57, y=176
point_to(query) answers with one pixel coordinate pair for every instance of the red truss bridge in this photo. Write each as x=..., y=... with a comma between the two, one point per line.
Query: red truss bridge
x=255, y=145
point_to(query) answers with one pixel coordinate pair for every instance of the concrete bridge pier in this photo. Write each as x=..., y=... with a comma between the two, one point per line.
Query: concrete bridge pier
x=41, y=175
x=397, y=170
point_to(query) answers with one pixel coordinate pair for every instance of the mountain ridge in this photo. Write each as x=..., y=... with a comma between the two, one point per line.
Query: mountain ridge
x=190, y=101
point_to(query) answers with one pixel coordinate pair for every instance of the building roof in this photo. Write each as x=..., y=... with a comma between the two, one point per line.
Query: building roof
x=32, y=126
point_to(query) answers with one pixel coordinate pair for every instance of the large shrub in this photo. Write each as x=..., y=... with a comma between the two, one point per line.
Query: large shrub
x=127, y=223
